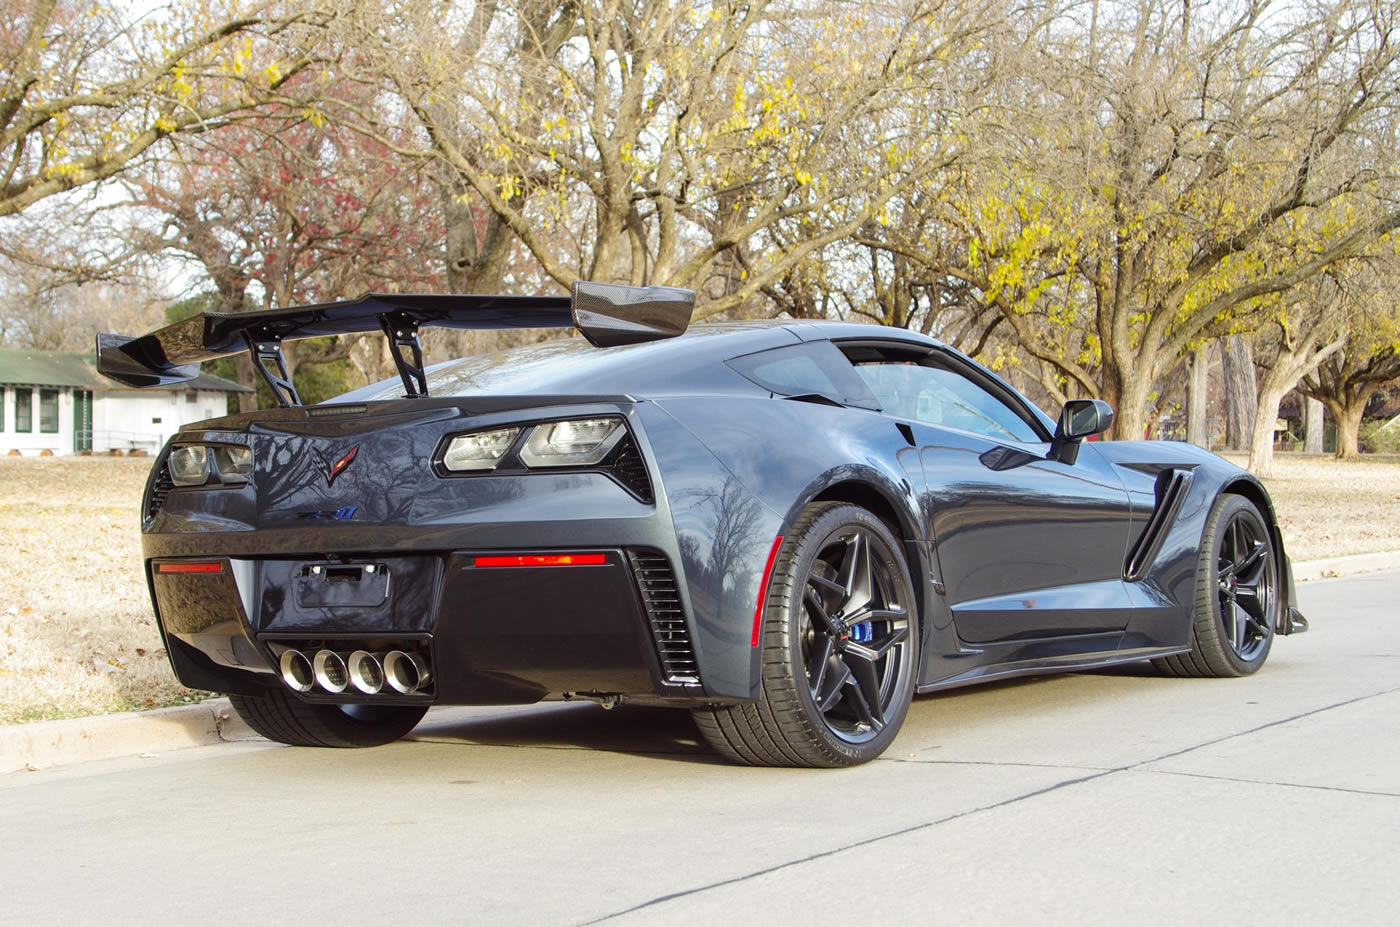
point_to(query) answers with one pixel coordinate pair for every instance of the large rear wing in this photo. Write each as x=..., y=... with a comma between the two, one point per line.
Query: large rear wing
x=606, y=314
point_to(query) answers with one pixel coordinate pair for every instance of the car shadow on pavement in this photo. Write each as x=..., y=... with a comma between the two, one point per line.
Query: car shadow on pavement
x=664, y=733
x=1142, y=668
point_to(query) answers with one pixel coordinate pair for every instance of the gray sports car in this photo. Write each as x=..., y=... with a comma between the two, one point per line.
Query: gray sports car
x=789, y=529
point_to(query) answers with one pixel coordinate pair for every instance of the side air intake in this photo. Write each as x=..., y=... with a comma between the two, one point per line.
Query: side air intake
x=657, y=583
x=1171, y=490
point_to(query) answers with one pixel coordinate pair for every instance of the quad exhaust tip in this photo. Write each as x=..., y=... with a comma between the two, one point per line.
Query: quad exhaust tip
x=296, y=670
x=330, y=671
x=366, y=672
x=406, y=673
x=360, y=671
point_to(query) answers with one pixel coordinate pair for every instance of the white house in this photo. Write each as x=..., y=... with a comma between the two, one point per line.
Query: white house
x=57, y=402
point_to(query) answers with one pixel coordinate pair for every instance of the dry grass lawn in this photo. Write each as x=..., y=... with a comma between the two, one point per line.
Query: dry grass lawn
x=77, y=635
x=1331, y=509
x=76, y=631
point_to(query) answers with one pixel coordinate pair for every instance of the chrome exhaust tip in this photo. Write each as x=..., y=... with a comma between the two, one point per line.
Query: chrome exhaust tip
x=366, y=672
x=330, y=672
x=406, y=673
x=296, y=671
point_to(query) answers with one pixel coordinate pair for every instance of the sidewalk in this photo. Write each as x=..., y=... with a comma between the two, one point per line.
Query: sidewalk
x=43, y=744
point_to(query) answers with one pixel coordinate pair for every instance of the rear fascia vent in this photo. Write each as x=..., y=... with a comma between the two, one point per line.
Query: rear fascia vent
x=657, y=583
x=160, y=488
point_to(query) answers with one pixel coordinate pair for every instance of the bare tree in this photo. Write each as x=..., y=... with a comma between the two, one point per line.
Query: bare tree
x=654, y=142
x=86, y=91
x=1370, y=358
x=1167, y=169
x=1307, y=329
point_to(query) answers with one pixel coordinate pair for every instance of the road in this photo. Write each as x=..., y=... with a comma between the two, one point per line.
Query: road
x=1094, y=798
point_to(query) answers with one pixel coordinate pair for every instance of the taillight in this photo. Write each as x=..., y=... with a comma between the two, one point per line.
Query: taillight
x=190, y=566
x=541, y=560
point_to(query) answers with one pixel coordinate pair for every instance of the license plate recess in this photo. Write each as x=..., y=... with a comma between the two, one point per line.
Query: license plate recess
x=342, y=585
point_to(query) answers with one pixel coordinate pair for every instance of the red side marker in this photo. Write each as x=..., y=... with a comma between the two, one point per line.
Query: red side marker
x=763, y=590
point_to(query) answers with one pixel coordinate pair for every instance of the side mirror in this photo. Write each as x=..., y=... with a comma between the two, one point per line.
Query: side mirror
x=1079, y=419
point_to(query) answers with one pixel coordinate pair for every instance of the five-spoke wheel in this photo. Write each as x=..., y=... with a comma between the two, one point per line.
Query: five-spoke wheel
x=1237, y=597
x=853, y=634
x=839, y=644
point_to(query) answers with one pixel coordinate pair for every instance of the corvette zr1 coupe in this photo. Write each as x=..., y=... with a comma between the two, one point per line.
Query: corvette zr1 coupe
x=787, y=528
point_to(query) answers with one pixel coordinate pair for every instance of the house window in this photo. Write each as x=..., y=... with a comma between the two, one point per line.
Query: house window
x=24, y=410
x=191, y=396
x=48, y=411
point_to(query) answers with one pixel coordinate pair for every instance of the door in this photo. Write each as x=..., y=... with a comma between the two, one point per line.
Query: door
x=82, y=420
x=1027, y=547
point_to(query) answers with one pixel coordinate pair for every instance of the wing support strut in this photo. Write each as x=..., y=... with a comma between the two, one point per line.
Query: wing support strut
x=403, y=337
x=272, y=367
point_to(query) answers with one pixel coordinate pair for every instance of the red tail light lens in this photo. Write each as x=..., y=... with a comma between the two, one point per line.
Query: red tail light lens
x=542, y=560
x=210, y=566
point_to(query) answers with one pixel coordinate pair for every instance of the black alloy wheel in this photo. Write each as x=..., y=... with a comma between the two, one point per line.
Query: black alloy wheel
x=853, y=633
x=1246, y=585
x=840, y=640
x=1237, y=595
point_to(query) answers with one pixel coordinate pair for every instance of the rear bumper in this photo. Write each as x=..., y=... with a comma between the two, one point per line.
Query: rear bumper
x=493, y=634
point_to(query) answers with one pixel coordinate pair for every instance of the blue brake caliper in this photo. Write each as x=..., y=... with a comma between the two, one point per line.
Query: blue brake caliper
x=863, y=633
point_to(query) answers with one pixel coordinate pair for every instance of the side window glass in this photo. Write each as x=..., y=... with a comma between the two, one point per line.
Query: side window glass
x=813, y=368
x=939, y=396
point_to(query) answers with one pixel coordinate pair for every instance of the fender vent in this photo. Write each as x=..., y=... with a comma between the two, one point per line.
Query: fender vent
x=160, y=488
x=657, y=583
x=625, y=464
x=1171, y=490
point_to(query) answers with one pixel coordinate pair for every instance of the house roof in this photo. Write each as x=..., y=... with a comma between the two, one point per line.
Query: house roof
x=24, y=367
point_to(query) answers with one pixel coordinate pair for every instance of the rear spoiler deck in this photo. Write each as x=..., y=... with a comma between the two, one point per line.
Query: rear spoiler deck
x=606, y=314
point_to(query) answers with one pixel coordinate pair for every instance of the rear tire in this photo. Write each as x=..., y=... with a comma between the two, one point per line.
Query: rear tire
x=1237, y=595
x=286, y=719
x=840, y=638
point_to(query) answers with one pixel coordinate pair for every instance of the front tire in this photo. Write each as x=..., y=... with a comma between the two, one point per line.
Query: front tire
x=1237, y=595
x=286, y=719
x=840, y=639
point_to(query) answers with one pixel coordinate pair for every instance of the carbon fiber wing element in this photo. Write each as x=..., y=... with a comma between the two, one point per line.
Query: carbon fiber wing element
x=605, y=314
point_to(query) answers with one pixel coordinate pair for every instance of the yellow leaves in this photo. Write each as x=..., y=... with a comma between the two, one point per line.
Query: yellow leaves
x=314, y=116
x=165, y=124
x=510, y=187
x=272, y=73
x=242, y=56
x=802, y=177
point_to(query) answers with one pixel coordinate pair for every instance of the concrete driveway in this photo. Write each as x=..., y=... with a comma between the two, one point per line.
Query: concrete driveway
x=1112, y=798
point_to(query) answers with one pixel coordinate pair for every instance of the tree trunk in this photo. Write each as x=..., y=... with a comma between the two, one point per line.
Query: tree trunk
x=1241, y=390
x=474, y=264
x=246, y=376
x=1349, y=428
x=1197, y=395
x=1312, y=426
x=1261, y=442
x=1129, y=403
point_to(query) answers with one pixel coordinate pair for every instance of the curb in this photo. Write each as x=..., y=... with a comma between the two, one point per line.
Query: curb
x=1333, y=567
x=45, y=744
